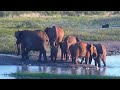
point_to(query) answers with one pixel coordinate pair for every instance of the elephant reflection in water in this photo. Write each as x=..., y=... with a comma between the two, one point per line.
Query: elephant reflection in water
x=101, y=72
x=24, y=68
x=92, y=71
x=44, y=69
x=53, y=70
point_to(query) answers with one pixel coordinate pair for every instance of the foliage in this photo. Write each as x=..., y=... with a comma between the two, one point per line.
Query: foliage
x=87, y=28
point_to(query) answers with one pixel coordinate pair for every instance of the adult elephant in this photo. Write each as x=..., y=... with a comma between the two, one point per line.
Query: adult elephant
x=69, y=40
x=32, y=40
x=101, y=55
x=55, y=34
x=82, y=50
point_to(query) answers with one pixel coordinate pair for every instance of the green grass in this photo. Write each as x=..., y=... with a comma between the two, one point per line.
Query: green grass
x=87, y=28
x=58, y=76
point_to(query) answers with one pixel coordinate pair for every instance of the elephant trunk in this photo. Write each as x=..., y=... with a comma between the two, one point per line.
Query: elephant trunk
x=18, y=49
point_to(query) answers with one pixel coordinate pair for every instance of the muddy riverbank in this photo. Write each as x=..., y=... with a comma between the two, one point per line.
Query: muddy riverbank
x=113, y=48
x=6, y=59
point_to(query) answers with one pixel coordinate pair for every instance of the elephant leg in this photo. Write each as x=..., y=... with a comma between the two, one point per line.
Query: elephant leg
x=104, y=62
x=23, y=53
x=27, y=51
x=18, y=49
x=75, y=60
x=95, y=62
x=82, y=60
x=40, y=55
x=90, y=59
x=99, y=63
x=86, y=61
x=44, y=55
x=62, y=55
x=72, y=59
x=55, y=58
x=66, y=56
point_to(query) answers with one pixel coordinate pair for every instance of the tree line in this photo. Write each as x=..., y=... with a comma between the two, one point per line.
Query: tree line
x=50, y=13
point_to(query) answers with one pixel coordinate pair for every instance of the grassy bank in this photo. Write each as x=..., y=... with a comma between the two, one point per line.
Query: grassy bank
x=87, y=28
x=58, y=76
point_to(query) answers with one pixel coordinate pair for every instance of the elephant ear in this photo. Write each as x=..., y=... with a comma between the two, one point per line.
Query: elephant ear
x=46, y=30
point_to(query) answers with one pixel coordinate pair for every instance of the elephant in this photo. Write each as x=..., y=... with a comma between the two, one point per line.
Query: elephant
x=101, y=55
x=54, y=52
x=36, y=40
x=64, y=46
x=55, y=34
x=82, y=50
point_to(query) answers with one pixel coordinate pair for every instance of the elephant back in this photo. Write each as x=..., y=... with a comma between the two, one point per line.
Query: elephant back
x=99, y=48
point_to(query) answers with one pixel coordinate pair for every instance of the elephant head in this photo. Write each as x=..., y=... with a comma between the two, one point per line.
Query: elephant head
x=18, y=36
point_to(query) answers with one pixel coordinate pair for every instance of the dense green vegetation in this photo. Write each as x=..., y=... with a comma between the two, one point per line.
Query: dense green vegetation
x=86, y=27
x=58, y=76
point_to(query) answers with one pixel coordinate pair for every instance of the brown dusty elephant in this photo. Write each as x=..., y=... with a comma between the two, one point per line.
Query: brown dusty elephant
x=82, y=50
x=101, y=55
x=32, y=40
x=69, y=40
x=55, y=34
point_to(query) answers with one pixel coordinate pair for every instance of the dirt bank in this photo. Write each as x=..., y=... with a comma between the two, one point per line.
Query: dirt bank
x=6, y=59
x=113, y=47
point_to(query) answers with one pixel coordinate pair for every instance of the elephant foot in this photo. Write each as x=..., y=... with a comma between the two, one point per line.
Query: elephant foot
x=97, y=68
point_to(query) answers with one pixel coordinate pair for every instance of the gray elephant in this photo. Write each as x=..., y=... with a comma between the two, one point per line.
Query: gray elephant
x=31, y=40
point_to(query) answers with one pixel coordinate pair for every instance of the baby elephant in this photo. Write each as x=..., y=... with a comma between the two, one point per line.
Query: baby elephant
x=54, y=52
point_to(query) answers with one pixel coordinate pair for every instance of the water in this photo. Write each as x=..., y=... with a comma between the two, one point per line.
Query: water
x=112, y=69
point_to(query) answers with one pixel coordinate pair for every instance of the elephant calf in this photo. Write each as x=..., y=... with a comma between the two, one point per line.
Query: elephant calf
x=54, y=52
x=82, y=50
x=101, y=50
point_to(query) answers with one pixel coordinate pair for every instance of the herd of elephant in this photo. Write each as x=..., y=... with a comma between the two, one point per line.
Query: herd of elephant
x=71, y=47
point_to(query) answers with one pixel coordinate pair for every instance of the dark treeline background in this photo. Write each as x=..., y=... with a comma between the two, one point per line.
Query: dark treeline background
x=69, y=13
